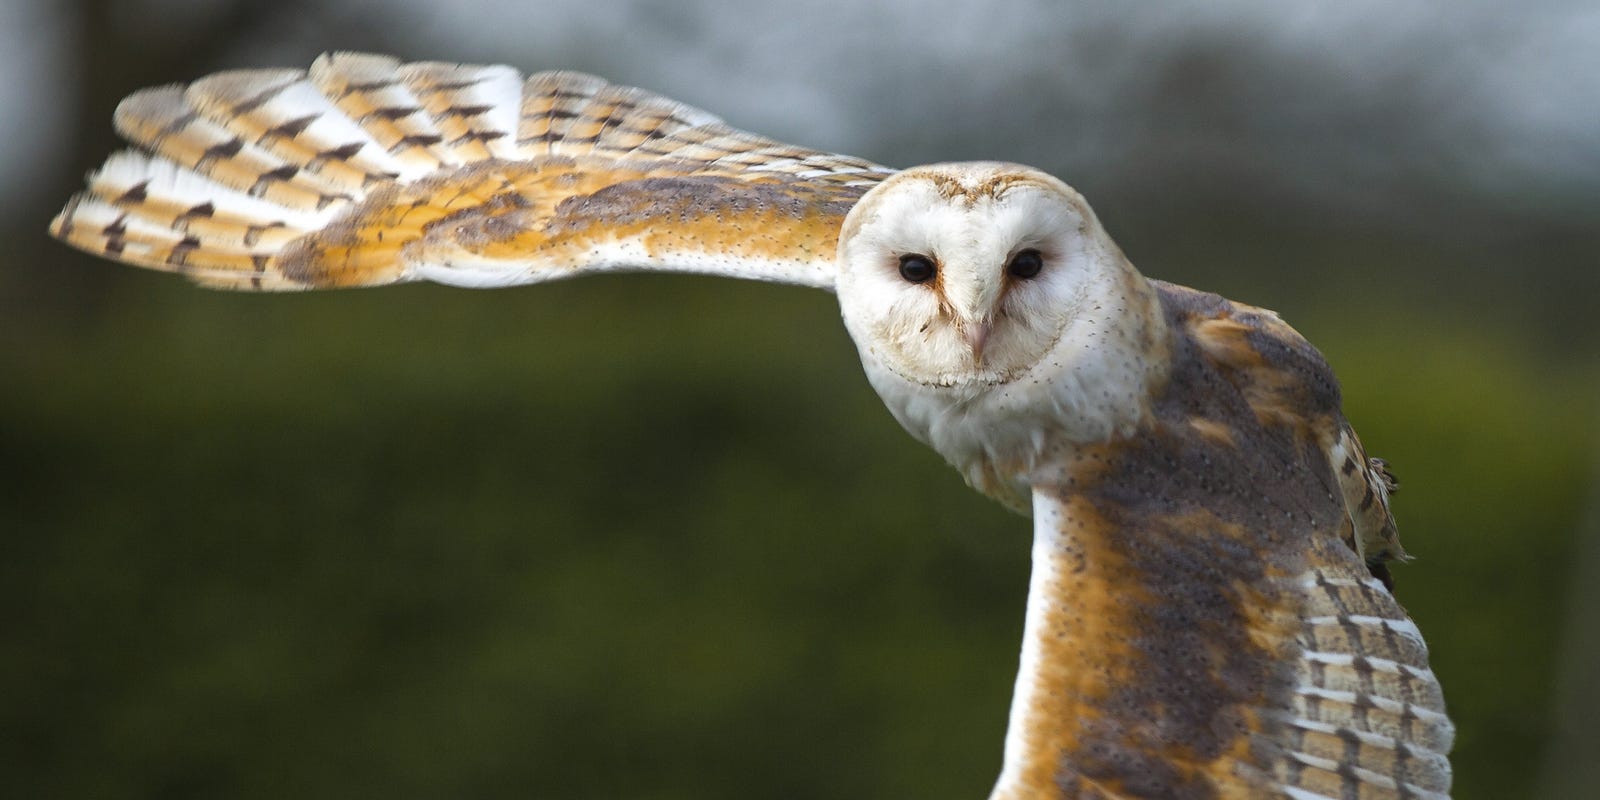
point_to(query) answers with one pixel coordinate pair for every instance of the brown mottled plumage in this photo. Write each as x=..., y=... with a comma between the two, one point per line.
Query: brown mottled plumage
x=1210, y=613
x=1209, y=630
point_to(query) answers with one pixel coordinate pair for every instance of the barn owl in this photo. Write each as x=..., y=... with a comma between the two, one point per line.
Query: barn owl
x=1209, y=612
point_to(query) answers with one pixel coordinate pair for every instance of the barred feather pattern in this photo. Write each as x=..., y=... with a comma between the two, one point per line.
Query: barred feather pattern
x=1369, y=716
x=1366, y=484
x=283, y=179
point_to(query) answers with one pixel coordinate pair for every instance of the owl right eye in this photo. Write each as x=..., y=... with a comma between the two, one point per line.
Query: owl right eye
x=917, y=268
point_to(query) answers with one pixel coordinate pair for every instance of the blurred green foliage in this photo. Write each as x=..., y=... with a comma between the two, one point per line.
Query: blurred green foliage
x=655, y=537
x=642, y=536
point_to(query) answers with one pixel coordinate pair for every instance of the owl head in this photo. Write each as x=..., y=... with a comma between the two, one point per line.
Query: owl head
x=966, y=274
x=995, y=316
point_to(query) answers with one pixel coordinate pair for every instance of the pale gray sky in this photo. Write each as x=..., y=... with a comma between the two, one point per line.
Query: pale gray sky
x=32, y=54
x=1464, y=90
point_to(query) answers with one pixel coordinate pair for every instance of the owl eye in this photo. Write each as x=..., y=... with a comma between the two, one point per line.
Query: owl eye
x=916, y=268
x=1025, y=264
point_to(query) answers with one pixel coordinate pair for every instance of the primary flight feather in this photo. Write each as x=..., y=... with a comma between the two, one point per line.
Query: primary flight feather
x=1210, y=612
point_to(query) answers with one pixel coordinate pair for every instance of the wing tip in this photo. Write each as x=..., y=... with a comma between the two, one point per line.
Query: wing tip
x=61, y=224
x=355, y=62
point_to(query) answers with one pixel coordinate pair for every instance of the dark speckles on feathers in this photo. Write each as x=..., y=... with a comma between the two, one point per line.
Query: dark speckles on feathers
x=689, y=198
x=1207, y=524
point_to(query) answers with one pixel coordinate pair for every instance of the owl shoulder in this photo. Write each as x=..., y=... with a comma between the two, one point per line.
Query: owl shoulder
x=1279, y=374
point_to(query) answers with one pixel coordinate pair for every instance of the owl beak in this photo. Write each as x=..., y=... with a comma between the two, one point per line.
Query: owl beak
x=977, y=333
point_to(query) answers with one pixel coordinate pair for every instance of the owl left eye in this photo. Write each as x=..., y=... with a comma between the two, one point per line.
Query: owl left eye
x=1025, y=264
x=917, y=268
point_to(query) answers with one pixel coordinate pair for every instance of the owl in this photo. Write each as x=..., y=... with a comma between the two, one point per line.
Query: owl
x=1210, y=610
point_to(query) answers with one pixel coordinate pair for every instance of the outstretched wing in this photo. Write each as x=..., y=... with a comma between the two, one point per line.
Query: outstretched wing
x=1201, y=619
x=365, y=171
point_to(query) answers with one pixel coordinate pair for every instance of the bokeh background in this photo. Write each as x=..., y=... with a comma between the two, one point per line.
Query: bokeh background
x=654, y=537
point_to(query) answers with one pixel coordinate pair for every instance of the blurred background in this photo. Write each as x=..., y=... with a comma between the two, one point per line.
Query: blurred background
x=654, y=537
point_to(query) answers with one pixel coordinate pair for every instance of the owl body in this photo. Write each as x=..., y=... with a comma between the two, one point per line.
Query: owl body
x=1208, y=615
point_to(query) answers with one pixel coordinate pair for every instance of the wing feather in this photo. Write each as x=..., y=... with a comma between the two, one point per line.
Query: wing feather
x=364, y=170
x=476, y=107
x=369, y=90
x=1202, y=620
x=161, y=121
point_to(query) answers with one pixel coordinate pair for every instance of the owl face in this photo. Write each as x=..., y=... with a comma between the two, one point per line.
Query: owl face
x=964, y=275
